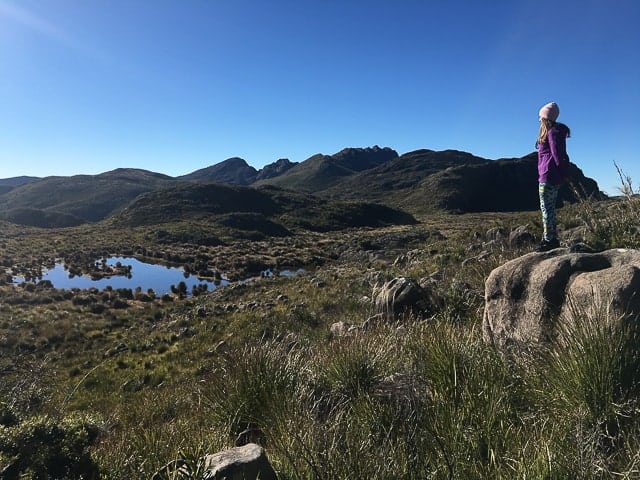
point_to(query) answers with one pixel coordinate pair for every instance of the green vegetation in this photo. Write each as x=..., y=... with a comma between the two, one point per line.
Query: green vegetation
x=42, y=448
x=266, y=210
x=131, y=386
x=64, y=201
x=613, y=224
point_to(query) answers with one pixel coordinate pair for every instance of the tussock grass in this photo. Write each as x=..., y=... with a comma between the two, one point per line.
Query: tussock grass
x=593, y=374
x=611, y=224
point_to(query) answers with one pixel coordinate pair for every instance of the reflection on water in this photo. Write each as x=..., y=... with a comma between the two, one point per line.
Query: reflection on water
x=147, y=276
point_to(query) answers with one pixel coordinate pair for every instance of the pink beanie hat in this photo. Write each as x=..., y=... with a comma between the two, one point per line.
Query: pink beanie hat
x=550, y=111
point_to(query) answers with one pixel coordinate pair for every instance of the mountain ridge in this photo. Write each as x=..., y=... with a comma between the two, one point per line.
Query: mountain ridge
x=320, y=171
x=17, y=181
x=420, y=180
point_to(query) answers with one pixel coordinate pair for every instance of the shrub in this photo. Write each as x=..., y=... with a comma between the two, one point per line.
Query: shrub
x=43, y=448
x=8, y=417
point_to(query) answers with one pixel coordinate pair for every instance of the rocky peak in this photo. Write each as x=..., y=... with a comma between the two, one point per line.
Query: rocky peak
x=358, y=159
x=275, y=169
x=233, y=170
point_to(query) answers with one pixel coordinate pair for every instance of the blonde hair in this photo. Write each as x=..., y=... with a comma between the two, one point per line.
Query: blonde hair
x=545, y=126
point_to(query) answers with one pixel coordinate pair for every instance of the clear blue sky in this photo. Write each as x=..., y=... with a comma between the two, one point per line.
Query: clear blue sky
x=172, y=86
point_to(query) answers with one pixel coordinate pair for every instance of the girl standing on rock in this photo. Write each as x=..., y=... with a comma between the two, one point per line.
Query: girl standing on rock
x=553, y=169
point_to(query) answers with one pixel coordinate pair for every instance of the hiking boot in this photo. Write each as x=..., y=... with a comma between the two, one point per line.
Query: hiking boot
x=546, y=245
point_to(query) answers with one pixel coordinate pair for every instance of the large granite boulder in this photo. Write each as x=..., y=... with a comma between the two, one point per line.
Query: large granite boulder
x=526, y=298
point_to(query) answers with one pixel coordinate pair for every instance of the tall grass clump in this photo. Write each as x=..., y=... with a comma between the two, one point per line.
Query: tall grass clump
x=614, y=224
x=421, y=399
x=147, y=429
x=252, y=388
x=476, y=417
x=592, y=382
x=355, y=416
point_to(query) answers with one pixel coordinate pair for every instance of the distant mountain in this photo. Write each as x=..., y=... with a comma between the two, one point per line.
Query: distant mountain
x=359, y=159
x=397, y=175
x=320, y=172
x=275, y=169
x=16, y=181
x=264, y=210
x=418, y=181
x=234, y=170
x=492, y=186
x=8, y=184
x=314, y=174
x=77, y=199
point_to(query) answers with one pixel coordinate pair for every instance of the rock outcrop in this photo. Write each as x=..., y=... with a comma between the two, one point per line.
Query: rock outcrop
x=526, y=298
x=495, y=186
x=248, y=462
x=275, y=169
x=403, y=296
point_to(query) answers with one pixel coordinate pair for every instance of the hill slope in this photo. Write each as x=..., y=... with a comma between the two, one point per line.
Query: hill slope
x=17, y=181
x=85, y=198
x=275, y=169
x=8, y=184
x=320, y=172
x=232, y=170
x=397, y=175
x=492, y=186
x=237, y=171
x=248, y=208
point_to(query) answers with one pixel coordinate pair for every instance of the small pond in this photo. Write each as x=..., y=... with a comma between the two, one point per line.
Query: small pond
x=147, y=276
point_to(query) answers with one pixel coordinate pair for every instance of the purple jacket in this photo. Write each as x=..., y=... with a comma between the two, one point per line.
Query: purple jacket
x=553, y=161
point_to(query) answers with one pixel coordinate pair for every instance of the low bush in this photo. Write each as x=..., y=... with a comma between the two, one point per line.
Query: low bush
x=44, y=448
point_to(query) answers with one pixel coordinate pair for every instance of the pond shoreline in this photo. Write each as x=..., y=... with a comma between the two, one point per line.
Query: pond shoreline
x=118, y=272
x=136, y=274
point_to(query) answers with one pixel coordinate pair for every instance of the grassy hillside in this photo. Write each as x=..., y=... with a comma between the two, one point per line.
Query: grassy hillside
x=16, y=181
x=40, y=218
x=287, y=208
x=312, y=175
x=125, y=385
x=87, y=197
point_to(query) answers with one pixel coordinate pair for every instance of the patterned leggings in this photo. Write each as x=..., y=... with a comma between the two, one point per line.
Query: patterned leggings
x=548, y=197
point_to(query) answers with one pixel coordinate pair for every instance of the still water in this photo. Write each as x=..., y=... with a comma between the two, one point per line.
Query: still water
x=143, y=275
